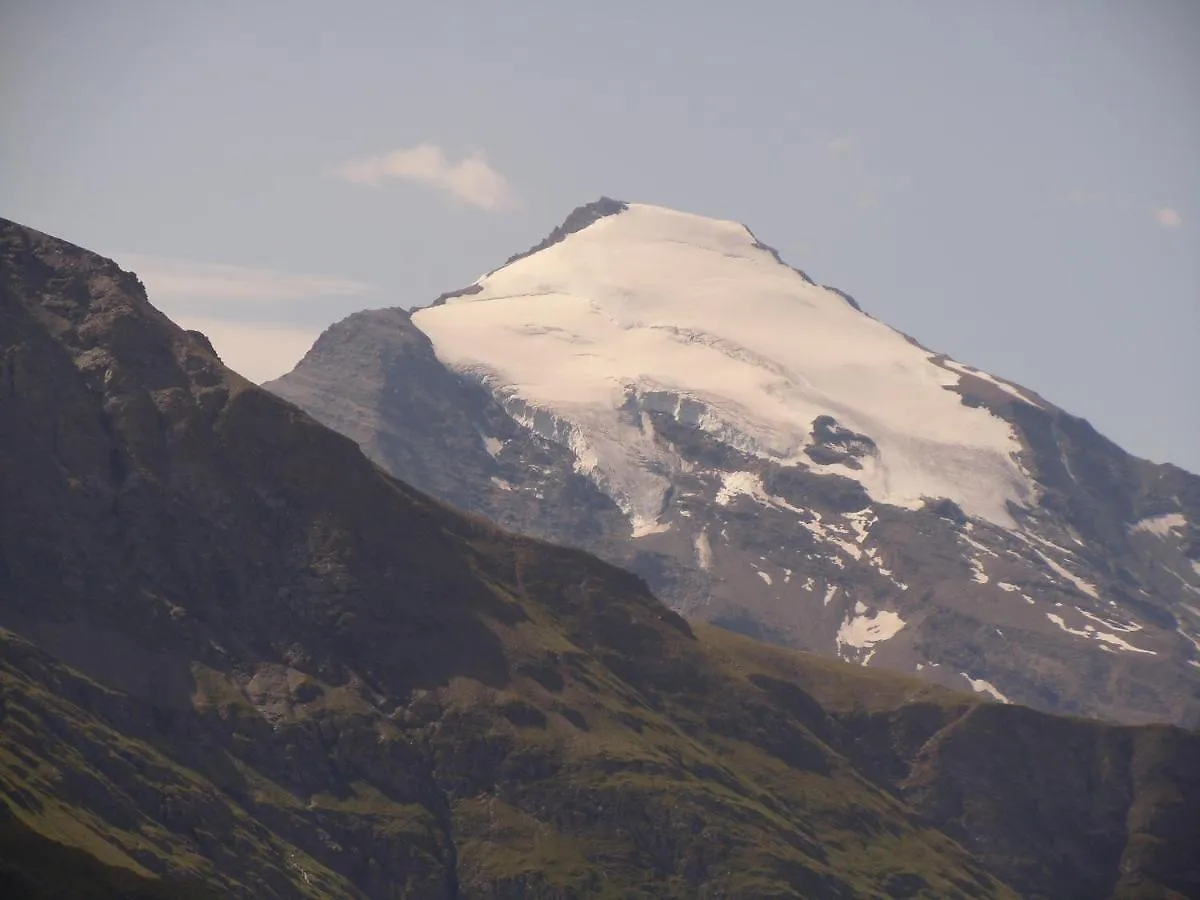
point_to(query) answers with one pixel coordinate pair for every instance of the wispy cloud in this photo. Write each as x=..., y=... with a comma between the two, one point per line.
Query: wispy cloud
x=258, y=351
x=1167, y=217
x=248, y=314
x=167, y=278
x=471, y=180
x=840, y=144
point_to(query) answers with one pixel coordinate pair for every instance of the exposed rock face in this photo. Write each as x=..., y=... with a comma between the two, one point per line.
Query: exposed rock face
x=235, y=654
x=1083, y=597
x=831, y=443
x=377, y=380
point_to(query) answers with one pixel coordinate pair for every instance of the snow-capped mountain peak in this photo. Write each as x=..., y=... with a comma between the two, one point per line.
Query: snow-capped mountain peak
x=663, y=390
x=650, y=309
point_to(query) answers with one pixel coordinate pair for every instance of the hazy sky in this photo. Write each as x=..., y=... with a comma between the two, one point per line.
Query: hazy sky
x=1014, y=182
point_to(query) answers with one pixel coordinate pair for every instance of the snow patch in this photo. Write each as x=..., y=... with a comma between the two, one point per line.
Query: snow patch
x=851, y=550
x=1013, y=589
x=984, y=687
x=749, y=484
x=861, y=631
x=1195, y=641
x=861, y=522
x=1011, y=389
x=826, y=531
x=873, y=558
x=703, y=551
x=978, y=575
x=1187, y=586
x=1090, y=631
x=1080, y=584
x=1162, y=526
x=1032, y=537
x=492, y=445
x=982, y=548
x=1108, y=623
x=741, y=484
x=643, y=527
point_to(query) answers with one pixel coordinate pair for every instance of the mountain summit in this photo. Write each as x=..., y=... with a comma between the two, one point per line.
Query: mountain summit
x=662, y=389
x=648, y=310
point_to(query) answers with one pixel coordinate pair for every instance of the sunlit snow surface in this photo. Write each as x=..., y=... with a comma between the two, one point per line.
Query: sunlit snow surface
x=1169, y=525
x=652, y=309
x=862, y=631
x=980, y=686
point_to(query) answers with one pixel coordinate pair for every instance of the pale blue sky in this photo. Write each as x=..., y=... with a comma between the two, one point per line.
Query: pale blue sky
x=1014, y=182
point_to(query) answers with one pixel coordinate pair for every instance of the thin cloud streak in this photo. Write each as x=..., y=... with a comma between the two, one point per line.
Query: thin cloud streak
x=168, y=278
x=471, y=180
x=259, y=351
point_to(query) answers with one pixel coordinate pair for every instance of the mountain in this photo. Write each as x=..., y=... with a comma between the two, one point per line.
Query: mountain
x=237, y=659
x=661, y=389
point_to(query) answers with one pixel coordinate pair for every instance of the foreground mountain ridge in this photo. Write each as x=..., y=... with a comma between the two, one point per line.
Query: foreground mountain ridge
x=663, y=390
x=240, y=660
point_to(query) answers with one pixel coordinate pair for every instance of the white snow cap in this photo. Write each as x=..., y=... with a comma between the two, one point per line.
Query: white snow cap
x=652, y=309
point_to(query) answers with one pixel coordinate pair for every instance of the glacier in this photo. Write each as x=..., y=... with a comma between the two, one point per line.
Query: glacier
x=651, y=309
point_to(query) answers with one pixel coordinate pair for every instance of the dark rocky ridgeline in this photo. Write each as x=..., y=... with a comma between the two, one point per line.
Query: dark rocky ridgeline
x=238, y=660
x=580, y=218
